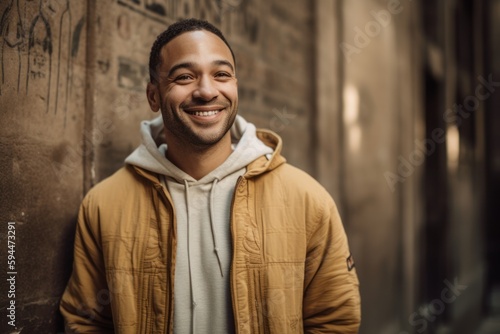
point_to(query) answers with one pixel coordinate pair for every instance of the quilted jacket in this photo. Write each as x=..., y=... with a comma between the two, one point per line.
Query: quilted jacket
x=291, y=267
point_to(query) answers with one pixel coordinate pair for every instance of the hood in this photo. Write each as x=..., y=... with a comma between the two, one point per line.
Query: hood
x=202, y=210
x=249, y=144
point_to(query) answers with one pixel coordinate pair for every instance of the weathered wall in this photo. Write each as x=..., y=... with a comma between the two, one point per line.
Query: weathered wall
x=273, y=68
x=42, y=103
x=72, y=93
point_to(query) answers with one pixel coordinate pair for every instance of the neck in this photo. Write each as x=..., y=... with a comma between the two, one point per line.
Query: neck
x=198, y=162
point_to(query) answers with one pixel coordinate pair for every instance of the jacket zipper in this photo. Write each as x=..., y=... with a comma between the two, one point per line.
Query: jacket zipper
x=231, y=271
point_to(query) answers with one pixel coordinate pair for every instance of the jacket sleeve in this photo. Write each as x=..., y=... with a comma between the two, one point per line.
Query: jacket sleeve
x=85, y=304
x=331, y=289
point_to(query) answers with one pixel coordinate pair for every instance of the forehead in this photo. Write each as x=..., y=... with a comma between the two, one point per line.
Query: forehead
x=197, y=46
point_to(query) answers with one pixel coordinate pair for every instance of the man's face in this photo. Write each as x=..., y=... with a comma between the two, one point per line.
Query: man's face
x=197, y=89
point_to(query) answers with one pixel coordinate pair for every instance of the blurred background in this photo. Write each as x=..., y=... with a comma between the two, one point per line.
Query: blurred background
x=391, y=104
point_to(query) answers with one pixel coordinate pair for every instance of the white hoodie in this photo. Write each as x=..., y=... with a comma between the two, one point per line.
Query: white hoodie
x=202, y=296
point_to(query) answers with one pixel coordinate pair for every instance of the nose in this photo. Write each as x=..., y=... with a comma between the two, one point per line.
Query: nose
x=206, y=89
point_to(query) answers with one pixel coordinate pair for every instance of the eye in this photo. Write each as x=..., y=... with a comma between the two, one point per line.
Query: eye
x=183, y=78
x=223, y=75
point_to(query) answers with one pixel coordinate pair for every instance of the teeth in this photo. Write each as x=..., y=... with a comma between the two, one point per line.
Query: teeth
x=205, y=113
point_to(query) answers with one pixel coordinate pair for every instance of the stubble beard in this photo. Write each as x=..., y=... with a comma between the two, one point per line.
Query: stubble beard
x=187, y=136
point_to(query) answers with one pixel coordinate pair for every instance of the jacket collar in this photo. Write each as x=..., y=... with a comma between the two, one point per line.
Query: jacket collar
x=264, y=164
x=255, y=168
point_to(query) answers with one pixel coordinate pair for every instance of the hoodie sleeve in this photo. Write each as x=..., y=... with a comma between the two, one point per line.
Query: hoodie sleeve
x=331, y=292
x=85, y=302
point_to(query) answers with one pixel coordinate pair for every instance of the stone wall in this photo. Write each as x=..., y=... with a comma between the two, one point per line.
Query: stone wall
x=273, y=69
x=72, y=93
x=42, y=106
x=353, y=87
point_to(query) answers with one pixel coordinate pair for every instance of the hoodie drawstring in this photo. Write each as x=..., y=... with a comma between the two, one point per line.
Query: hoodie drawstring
x=189, y=233
x=193, y=300
x=214, y=235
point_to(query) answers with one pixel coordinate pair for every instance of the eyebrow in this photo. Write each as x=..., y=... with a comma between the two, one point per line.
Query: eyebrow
x=222, y=63
x=190, y=65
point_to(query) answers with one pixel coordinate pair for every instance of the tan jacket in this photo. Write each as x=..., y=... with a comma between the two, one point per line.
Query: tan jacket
x=290, y=270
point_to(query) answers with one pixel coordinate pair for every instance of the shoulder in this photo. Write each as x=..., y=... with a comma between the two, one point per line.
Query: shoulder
x=288, y=196
x=123, y=178
x=116, y=188
x=295, y=179
x=292, y=186
x=118, y=205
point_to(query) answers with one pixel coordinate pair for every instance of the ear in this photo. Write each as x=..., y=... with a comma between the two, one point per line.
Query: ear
x=153, y=94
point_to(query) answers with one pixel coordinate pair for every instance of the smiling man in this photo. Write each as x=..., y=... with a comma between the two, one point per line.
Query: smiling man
x=207, y=229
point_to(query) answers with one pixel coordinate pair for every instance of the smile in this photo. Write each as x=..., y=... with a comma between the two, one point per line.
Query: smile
x=204, y=113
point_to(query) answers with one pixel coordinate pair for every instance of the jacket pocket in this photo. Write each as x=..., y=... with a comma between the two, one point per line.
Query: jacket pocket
x=146, y=322
x=275, y=303
x=283, y=297
x=154, y=281
x=257, y=306
x=284, y=235
x=153, y=308
x=153, y=255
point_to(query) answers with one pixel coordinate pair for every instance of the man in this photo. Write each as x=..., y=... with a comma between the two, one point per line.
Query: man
x=207, y=229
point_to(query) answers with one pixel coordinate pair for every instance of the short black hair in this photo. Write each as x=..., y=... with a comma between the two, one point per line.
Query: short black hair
x=173, y=31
